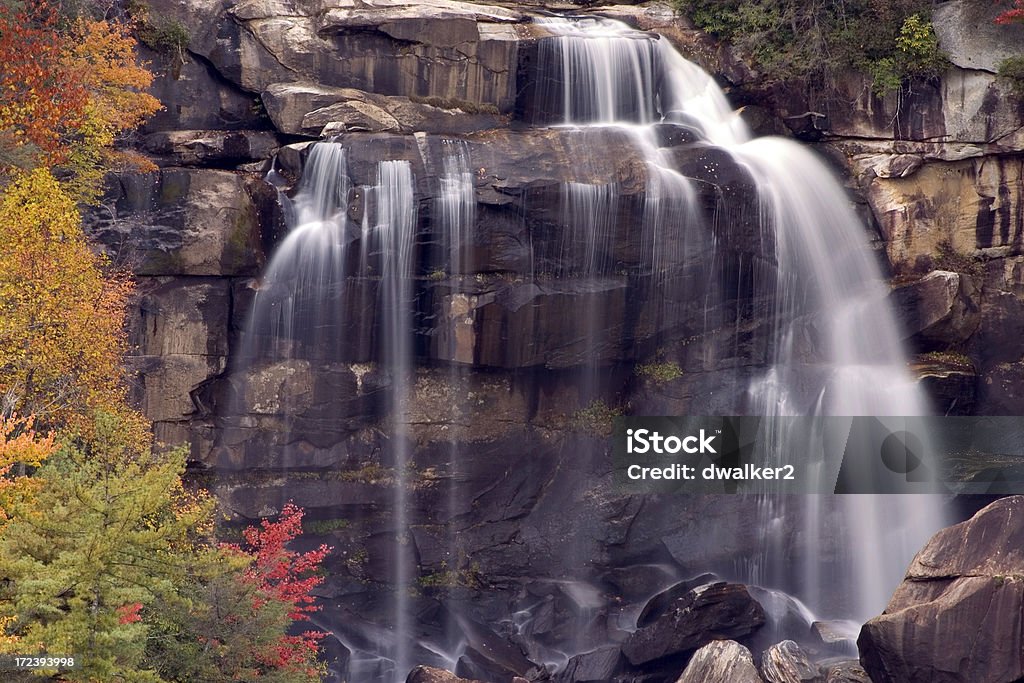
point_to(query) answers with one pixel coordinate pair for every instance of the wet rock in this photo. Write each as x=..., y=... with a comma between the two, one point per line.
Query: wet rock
x=196, y=97
x=939, y=311
x=710, y=612
x=950, y=380
x=449, y=50
x=661, y=603
x=596, y=666
x=216, y=148
x=786, y=662
x=721, y=661
x=835, y=635
x=957, y=616
x=428, y=674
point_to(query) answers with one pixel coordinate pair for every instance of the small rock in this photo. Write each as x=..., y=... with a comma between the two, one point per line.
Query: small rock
x=835, y=635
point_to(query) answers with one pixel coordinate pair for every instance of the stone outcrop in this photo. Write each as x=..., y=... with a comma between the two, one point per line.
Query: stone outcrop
x=957, y=617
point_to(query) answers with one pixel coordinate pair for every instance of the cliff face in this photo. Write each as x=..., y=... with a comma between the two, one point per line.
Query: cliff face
x=514, y=383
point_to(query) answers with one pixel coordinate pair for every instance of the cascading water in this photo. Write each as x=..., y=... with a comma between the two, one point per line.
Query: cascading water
x=833, y=348
x=604, y=73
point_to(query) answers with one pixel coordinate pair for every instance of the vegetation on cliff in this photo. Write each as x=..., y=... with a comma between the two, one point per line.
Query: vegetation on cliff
x=891, y=41
x=106, y=553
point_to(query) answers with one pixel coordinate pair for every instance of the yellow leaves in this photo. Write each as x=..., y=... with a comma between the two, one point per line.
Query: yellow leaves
x=61, y=319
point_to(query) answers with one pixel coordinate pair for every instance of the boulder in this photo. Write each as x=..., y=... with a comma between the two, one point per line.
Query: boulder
x=939, y=311
x=721, y=661
x=958, y=616
x=786, y=662
x=970, y=37
x=714, y=611
x=428, y=674
x=595, y=666
x=845, y=672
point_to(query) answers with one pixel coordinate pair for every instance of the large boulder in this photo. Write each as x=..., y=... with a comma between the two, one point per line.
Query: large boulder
x=970, y=37
x=958, y=616
x=721, y=661
x=715, y=611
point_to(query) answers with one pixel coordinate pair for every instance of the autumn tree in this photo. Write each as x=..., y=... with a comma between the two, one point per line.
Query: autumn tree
x=1015, y=15
x=109, y=531
x=61, y=315
x=66, y=93
x=238, y=622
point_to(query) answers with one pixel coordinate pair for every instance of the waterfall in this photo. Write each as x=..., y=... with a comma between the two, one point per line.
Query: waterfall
x=607, y=74
x=361, y=268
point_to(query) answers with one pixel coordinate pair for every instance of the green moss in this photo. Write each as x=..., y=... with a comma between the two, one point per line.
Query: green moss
x=596, y=417
x=445, y=578
x=948, y=258
x=1012, y=69
x=947, y=358
x=322, y=527
x=660, y=373
x=454, y=103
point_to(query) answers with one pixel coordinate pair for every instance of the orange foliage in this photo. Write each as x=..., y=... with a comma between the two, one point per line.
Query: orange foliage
x=41, y=99
x=21, y=446
x=61, y=319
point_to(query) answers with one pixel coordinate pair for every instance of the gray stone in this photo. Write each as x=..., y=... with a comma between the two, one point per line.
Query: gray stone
x=316, y=110
x=969, y=36
x=180, y=221
x=721, y=661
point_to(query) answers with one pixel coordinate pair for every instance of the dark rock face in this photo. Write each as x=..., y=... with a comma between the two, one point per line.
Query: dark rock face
x=709, y=612
x=957, y=617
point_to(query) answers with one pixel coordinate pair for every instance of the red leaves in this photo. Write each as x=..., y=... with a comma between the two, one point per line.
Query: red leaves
x=1012, y=16
x=41, y=97
x=285, y=577
x=129, y=614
